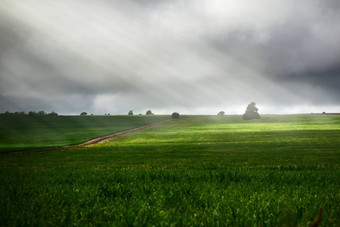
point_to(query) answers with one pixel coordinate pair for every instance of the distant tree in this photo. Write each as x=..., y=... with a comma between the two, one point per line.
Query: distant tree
x=148, y=112
x=83, y=114
x=41, y=113
x=32, y=113
x=221, y=113
x=52, y=114
x=175, y=115
x=130, y=112
x=251, y=112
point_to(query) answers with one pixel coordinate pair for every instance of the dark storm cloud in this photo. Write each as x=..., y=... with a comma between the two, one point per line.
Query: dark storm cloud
x=192, y=56
x=299, y=51
x=326, y=79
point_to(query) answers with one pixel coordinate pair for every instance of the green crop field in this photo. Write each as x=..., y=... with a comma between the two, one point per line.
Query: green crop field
x=195, y=171
x=27, y=132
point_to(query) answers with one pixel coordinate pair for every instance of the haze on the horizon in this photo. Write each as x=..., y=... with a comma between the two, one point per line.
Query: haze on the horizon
x=194, y=56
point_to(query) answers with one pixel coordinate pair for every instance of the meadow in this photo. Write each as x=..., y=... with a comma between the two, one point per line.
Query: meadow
x=29, y=132
x=195, y=171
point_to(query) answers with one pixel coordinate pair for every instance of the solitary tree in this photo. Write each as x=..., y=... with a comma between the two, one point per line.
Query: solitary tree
x=148, y=112
x=130, y=112
x=83, y=114
x=251, y=112
x=221, y=113
x=175, y=115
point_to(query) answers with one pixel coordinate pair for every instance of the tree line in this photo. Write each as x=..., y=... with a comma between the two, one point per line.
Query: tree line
x=30, y=113
x=250, y=113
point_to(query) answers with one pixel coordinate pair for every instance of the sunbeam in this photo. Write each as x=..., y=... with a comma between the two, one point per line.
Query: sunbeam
x=190, y=56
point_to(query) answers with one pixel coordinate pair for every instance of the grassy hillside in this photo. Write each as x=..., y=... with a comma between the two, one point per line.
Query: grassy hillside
x=27, y=132
x=194, y=171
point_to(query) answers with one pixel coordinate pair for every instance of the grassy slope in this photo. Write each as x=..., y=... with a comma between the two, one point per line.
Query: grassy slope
x=27, y=132
x=199, y=170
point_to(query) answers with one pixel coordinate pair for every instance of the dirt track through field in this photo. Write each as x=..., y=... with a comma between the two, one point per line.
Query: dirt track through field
x=101, y=139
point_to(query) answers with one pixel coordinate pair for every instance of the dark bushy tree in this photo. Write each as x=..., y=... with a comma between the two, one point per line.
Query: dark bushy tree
x=83, y=114
x=175, y=115
x=130, y=112
x=221, y=113
x=251, y=112
x=148, y=112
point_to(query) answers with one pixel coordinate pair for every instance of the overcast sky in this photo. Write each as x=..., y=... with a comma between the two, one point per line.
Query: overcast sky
x=193, y=56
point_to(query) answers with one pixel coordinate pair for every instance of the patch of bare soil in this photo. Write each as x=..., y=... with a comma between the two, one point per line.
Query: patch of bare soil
x=101, y=139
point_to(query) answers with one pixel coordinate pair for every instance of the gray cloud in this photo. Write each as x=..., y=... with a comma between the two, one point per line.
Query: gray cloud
x=190, y=56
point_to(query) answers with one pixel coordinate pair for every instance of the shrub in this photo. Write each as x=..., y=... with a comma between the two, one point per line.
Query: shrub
x=148, y=112
x=175, y=115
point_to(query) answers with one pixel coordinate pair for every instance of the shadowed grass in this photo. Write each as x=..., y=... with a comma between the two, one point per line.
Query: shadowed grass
x=28, y=132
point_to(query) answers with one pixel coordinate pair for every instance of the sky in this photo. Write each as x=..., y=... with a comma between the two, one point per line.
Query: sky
x=192, y=57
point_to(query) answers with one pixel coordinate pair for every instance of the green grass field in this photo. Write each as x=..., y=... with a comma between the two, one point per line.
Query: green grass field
x=198, y=170
x=27, y=132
